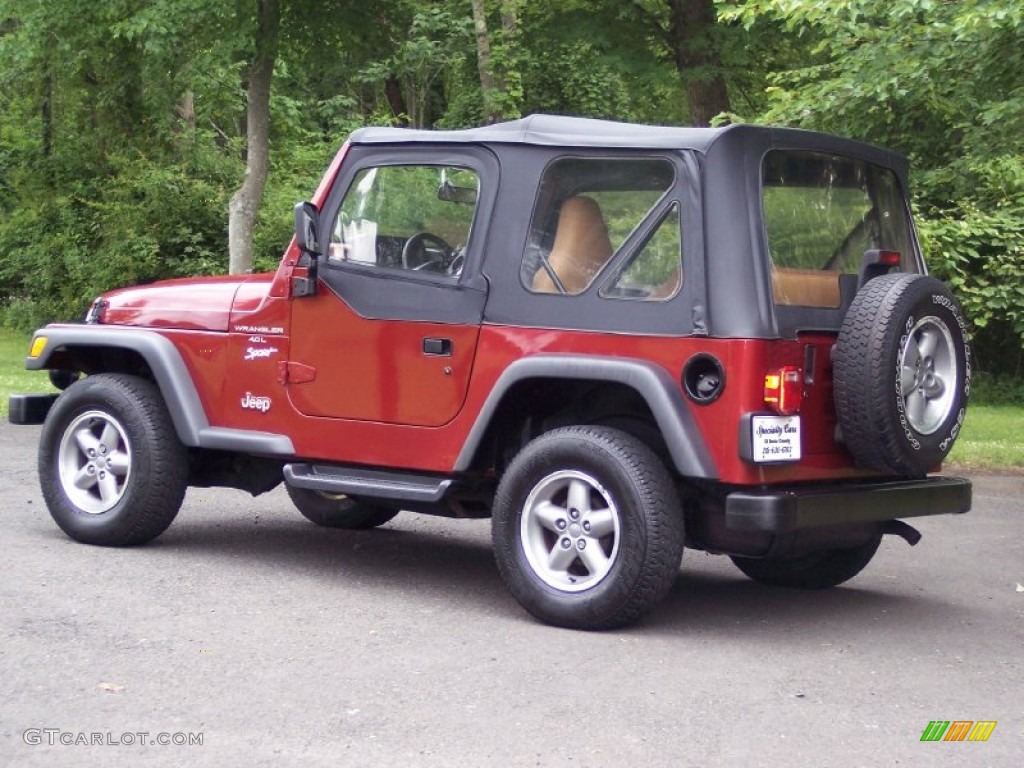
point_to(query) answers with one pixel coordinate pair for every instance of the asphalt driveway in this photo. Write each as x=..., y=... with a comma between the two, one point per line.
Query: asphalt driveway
x=276, y=643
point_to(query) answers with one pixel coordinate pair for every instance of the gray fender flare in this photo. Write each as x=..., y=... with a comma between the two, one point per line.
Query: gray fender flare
x=174, y=380
x=685, y=443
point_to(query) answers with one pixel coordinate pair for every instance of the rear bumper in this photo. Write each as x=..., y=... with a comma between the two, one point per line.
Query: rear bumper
x=800, y=508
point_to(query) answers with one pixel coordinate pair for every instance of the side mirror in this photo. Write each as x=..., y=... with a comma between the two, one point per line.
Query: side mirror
x=307, y=227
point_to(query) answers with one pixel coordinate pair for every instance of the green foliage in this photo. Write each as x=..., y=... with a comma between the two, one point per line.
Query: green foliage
x=112, y=173
x=980, y=253
x=139, y=223
x=596, y=59
x=988, y=389
x=942, y=82
x=123, y=130
x=436, y=39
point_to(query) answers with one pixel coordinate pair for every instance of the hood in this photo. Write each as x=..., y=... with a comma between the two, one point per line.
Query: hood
x=198, y=303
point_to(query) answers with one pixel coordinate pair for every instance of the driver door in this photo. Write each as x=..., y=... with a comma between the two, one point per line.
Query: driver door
x=391, y=334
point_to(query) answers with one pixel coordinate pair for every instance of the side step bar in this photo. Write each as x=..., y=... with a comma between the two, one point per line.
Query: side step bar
x=371, y=483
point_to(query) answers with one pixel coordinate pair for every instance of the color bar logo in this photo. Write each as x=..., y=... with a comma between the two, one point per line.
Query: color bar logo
x=958, y=730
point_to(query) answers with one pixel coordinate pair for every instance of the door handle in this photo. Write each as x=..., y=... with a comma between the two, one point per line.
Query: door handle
x=437, y=347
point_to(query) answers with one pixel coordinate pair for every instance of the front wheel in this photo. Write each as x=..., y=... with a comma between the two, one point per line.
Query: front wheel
x=816, y=570
x=587, y=528
x=111, y=467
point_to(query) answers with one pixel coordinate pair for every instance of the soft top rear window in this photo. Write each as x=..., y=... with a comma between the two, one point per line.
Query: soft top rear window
x=821, y=213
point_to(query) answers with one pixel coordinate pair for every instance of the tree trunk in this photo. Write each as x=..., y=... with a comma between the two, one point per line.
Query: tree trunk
x=396, y=100
x=697, y=57
x=46, y=112
x=510, y=18
x=185, y=111
x=184, y=125
x=245, y=202
x=508, y=76
x=492, y=113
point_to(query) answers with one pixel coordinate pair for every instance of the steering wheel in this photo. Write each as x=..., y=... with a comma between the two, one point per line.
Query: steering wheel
x=416, y=255
x=457, y=263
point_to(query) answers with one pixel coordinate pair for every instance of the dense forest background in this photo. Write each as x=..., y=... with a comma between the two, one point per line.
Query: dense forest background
x=137, y=137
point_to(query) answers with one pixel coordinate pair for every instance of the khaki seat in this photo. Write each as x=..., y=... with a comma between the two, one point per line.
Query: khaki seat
x=581, y=248
x=805, y=287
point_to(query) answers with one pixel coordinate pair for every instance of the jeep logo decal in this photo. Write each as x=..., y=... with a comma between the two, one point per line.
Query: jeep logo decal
x=257, y=403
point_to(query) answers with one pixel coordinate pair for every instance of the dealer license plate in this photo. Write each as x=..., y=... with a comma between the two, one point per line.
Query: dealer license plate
x=775, y=438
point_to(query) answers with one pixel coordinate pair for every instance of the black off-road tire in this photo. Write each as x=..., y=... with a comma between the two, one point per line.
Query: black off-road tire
x=817, y=570
x=602, y=487
x=902, y=374
x=111, y=467
x=337, y=511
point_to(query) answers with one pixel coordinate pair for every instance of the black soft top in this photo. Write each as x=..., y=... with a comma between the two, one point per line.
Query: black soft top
x=554, y=130
x=728, y=291
x=561, y=131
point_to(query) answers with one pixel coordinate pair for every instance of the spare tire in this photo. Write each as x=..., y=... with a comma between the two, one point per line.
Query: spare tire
x=902, y=374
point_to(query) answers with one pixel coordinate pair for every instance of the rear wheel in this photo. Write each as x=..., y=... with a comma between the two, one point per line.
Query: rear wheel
x=335, y=510
x=587, y=528
x=111, y=467
x=816, y=570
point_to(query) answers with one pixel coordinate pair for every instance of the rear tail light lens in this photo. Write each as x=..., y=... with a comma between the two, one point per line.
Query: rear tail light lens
x=784, y=390
x=889, y=258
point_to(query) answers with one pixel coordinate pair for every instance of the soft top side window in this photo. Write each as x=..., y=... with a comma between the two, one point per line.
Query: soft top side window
x=821, y=213
x=586, y=209
x=655, y=270
x=407, y=217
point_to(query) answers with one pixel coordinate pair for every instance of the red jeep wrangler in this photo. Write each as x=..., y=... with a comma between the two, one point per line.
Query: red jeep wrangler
x=615, y=340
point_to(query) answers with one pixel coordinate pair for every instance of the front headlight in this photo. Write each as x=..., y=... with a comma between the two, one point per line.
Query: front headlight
x=95, y=313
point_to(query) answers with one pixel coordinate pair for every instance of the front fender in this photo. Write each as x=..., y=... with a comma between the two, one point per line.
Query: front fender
x=172, y=377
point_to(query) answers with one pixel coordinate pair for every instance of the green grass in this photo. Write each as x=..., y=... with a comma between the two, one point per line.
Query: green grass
x=992, y=437
x=13, y=376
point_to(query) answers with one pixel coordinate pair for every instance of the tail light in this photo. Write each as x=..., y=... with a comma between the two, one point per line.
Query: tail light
x=876, y=263
x=784, y=390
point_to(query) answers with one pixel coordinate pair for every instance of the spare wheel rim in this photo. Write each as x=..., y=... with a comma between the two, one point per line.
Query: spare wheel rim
x=928, y=375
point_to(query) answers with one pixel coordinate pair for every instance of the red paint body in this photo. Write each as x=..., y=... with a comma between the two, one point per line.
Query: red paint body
x=353, y=390
x=375, y=399
x=375, y=370
x=201, y=304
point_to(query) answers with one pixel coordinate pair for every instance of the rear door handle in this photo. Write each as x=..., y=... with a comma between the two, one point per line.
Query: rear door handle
x=437, y=347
